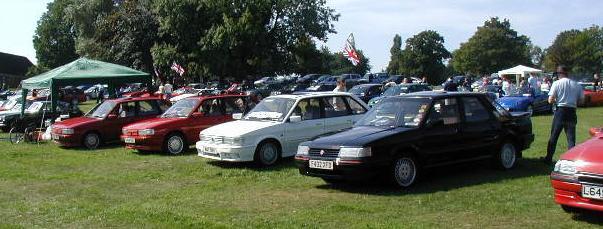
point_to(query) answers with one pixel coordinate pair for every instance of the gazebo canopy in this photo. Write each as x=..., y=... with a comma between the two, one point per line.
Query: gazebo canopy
x=519, y=70
x=84, y=71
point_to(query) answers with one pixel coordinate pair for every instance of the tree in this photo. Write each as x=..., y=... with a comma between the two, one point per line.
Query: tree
x=561, y=51
x=424, y=55
x=493, y=47
x=537, y=56
x=396, y=54
x=54, y=40
x=342, y=65
x=581, y=51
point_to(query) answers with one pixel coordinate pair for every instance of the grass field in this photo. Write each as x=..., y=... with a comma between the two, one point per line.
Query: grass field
x=46, y=186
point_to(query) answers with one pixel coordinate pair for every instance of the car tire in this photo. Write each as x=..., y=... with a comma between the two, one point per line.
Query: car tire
x=570, y=209
x=91, y=140
x=506, y=157
x=267, y=153
x=174, y=144
x=404, y=171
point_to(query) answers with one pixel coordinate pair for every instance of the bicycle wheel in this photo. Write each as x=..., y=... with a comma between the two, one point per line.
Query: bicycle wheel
x=15, y=136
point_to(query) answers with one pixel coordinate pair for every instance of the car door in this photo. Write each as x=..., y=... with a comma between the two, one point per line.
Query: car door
x=311, y=125
x=337, y=114
x=125, y=113
x=480, y=130
x=213, y=114
x=440, y=142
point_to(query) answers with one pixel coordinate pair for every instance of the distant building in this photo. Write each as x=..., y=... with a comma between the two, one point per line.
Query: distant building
x=13, y=69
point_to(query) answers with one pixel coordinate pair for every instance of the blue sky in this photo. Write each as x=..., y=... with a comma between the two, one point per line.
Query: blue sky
x=374, y=23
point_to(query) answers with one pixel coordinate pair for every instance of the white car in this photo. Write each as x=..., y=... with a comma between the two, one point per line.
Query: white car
x=274, y=128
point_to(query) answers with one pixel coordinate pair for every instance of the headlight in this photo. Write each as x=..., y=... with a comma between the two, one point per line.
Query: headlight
x=565, y=167
x=355, y=152
x=146, y=132
x=67, y=131
x=233, y=140
x=303, y=150
x=124, y=131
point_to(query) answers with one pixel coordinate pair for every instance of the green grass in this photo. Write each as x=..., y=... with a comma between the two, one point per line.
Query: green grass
x=47, y=186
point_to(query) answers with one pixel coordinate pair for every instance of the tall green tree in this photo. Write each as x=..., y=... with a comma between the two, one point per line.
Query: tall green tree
x=54, y=39
x=395, y=51
x=561, y=52
x=424, y=55
x=588, y=53
x=493, y=47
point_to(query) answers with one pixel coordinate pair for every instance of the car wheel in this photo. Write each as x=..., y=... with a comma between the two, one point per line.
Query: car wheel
x=530, y=109
x=175, y=144
x=92, y=140
x=506, y=158
x=267, y=153
x=569, y=209
x=15, y=136
x=404, y=171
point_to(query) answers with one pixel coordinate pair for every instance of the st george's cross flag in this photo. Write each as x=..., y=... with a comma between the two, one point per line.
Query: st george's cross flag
x=178, y=69
x=349, y=50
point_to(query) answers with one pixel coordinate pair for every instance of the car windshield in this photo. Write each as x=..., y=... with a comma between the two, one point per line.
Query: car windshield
x=34, y=107
x=396, y=90
x=358, y=89
x=396, y=112
x=181, y=108
x=271, y=109
x=9, y=105
x=102, y=110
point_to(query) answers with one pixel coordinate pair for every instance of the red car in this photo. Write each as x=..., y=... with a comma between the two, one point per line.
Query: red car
x=176, y=129
x=103, y=123
x=578, y=176
x=593, y=98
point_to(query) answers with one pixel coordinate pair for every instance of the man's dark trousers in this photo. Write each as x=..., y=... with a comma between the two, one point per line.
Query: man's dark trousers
x=564, y=119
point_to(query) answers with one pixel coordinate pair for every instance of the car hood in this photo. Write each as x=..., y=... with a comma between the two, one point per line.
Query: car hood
x=152, y=123
x=238, y=128
x=588, y=154
x=76, y=122
x=512, y=100
x=9, y=112
x=356, y=136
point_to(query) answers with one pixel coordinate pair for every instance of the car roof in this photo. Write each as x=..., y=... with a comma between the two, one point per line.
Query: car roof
x=441, y=94
x=215, y=96
x=303, y=95
x=141, y=98
x=368, y=85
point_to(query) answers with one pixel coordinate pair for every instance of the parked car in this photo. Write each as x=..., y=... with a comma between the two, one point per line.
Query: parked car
x=322, y=79
x=10, y=103
x=577, y=178
x=366, y=91
x=6, y=93
x=290, y=89
x=592, y=96
x=394, y=78
x=265, y=80
x=308, y=79
x=321, y=87
x=36, y=112
x=399, y=90
x=179, y=126
x=527, y=102
x=275, y=127
x=404, y=134
x=104, y=122
x=378, y=78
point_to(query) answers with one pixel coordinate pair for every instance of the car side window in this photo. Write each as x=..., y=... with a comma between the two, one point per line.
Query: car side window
x=308, y=109
x=475, y=110
x=148, y=107
x=335, y=107
x=163, y=105
x=234, y=105
x=211, y=107
x=355, y=106
x=374, y=91
x=127, y=109
x=445, y=110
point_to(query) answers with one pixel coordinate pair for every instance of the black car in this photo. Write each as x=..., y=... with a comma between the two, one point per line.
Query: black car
x=35, y=113
x=366, y=91
x=290, y=89
x=394, y=78
x=374, y=77
x=403, y=135
x=308, y=79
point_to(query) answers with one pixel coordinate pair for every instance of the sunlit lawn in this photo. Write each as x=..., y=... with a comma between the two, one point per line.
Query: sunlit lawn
x=46, y=186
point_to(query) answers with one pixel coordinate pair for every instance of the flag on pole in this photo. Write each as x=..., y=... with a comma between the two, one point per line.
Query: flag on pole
x=349, y=50
x=178, y=69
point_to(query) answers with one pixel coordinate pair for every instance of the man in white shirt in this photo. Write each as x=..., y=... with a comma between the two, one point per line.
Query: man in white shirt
x=533, y=83
x=567, y=94
x=167, y=90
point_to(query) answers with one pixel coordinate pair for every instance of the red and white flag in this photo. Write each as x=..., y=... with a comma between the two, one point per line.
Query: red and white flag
x=178, y=69
x=349, y=50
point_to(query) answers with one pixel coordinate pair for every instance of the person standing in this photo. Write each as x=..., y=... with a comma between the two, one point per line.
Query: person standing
x=340, y=85
x=596, y=81
x=167, y=90
x=533, y=83
x=508, y=87
x=567, y=94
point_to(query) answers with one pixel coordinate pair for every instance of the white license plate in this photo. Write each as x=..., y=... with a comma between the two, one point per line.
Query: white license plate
x=129, y=140
x=55, y=137
x=318, y=164
x=593, y=192
x=209, y=150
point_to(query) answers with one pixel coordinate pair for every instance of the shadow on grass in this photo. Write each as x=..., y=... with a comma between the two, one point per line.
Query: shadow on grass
x=188, y=152
x=446, y=178
x=285, y=163
x=591, y=217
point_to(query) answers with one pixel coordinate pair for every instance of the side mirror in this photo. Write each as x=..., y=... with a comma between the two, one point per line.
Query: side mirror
x=237, y=116
x=295, y=119
x=197, y=114
x=436, y=123
x=112, y=116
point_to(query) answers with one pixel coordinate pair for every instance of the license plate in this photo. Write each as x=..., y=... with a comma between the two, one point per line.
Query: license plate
x=593, y=192
x=318, y=164
x=209, y=150
x=55, y=137
x=129, y=140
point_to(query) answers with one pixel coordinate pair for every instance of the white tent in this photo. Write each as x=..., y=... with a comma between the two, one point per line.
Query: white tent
x=520, y=70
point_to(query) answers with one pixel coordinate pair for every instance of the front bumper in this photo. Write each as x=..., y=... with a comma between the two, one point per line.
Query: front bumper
x=569, y=192
x=343, y=169
x=149, y=143
x=223, y=152
x=66, y=140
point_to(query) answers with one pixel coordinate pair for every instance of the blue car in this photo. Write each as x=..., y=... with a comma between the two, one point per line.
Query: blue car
x=528, y=102
x=400, y=89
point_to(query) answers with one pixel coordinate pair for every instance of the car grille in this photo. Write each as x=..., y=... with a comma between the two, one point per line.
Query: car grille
x=213, y=139
x=328, y=153
x=590, y=178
